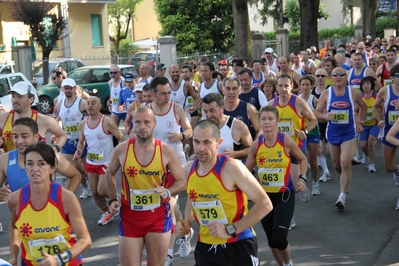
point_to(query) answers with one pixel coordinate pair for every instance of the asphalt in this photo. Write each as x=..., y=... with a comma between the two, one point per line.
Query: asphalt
x=365, y=233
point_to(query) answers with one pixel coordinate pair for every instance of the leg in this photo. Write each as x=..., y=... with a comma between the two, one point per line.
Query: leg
x=98, y=199
x=346, y=157
x=313, y=149
x=157, y=248
x=388, y=153
x=335, y=152
x=371, y=148
x=364, y=146
x=130, y=251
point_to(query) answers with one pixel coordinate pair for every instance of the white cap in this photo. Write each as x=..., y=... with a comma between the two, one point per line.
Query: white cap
x=269, y=50
x=369, y=37
x=68, y=82
x=23, y=88
x=138, y=87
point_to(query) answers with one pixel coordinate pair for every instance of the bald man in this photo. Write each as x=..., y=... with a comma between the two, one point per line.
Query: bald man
x=342, y=126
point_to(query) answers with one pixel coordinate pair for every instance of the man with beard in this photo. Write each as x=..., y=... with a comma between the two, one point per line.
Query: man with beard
x=182, y=92
x=23, y=95
x=144, y=206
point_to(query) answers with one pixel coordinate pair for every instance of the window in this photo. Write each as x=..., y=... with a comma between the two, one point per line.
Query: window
x=15, y=79
x=96, y=34
x=80, y=76
x=100, y=75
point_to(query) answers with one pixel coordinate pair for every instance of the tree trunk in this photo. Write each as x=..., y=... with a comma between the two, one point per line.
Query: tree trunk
x=309, y=12
x=242, y=32
x=370, y=8
x=281, y=13
x=397, y=17
x=46, y=72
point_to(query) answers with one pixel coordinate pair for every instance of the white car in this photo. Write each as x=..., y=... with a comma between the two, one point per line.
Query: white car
x=6, y=83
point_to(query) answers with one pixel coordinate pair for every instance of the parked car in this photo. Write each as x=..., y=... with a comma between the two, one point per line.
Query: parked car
x=149, y=57
x=88, y=77
x=7, y=68
x=67, y=64
x=6, y=83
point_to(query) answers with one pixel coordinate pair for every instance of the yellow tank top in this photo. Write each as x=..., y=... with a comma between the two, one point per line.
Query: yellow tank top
x=290, y=120
x=196, y=76
x=211, y=201
x=8, y=130
x=48, y=229
x=138, y=180
x=370, y=120
x=274, y=166
x=329, y=81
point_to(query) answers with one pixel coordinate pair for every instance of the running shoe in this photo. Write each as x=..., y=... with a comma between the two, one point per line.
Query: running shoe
x=371, y=168
x=1, y=226
x=305, y=194
x=325, y=177
x=315, y=189
x=169, y=261
x=340, y=204
x=185, y=245
x=396, y=179
x=293, y=223
x=105, y=218
x=397, y=205
x=365, y=159
x=356, y=159
x=85, y=194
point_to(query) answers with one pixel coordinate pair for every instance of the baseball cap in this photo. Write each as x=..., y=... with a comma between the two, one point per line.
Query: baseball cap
x=369, y=37
x=223, y=62
x=161, y=66
x=68, y=82
x=269, y=50
x=22, y=88
x=138, y=87
x=129, y=76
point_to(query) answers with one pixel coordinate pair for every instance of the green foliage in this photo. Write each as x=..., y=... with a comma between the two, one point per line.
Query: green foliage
x=292, y=12
x=266, y=9
x=205, y=25
x=126, y=47
x=387, y=21
x=334, y=33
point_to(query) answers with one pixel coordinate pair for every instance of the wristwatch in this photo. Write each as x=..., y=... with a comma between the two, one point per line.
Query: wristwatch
x=183, y=135
x=306, y=131
x=65, y=257
x=58, y=148
x=231, y=230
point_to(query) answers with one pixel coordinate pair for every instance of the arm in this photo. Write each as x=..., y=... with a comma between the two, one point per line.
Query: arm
x=121, y=102
x=82, y=140
x=75, y=216
x=308, y=114
x=126, y=123
x=240, y=133
x=65, y=168
x=262, y=98
x=173, y=164
x=321, y=107
x=391, y=136
x=183, y=226
x=184, y=123
x=13, y=237
x=378, y=107
x=54, y=128
x=251, y=158
x=253, y=117
x=110, y=126
x=189, y=91
x=110, y=175
x=5, y=191
x=291, y=147
x=296, y=79
x=83, y=107
x=362, y=110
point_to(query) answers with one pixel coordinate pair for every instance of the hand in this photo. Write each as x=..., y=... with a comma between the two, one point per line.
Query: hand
x=121, y=107
x=329, y=116
x=217, y=230
x=5, y=192
x=53, y=139
x=182, y=228
x=381, y=124
x=161, y=190
x=13, y=261
x=2, y=140
x=49, y=260
x=175, y=137
x=114, y=207
x=301, y=134
x=359, y=127
x=77, y=155
x=127, y=130
x=190, y=109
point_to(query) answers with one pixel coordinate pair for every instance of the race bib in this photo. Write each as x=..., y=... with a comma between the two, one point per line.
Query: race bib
x=387, y=82
x=271, y=177
x=114, y=101
x=393, y=116
x=286, y=128
x=95, y=156
x=210, y=211
x=144, y=200
x=189, y=101
x=71, y=128
x=340, y=117
x=50, y=246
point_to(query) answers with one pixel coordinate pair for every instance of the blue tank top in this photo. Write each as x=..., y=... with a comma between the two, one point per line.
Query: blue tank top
x=256, y=82
x=241, y=114
x=355, y=80
x=343, y=122
x=16, y=176
x=251, y=97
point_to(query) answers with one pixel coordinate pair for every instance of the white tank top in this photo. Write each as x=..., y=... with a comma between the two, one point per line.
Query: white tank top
x=309, y=101
x=71, y=117
x=166, y=124
x=99, y=144
x=226, y=133
x=114, y=95
x=274, y=66
x=299, y=70
x=214, y=88
x=179, y=97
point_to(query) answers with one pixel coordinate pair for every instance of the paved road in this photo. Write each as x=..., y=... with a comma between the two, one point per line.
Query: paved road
x=366, y=233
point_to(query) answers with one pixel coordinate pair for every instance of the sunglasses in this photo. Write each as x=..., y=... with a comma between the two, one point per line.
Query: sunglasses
x=320, y=76
x=128, y=81
x=113, y=73
x=338, y=74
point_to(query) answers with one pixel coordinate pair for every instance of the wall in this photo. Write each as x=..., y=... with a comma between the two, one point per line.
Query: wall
x=145, y=24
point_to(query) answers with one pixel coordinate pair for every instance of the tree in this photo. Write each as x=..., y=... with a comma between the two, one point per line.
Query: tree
x=270, y=8
x=119, y=17
x=46, y=25
x=369, y=12
x=310, y=13
x=202, y=26
x=397, y=16
x=243, y=47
